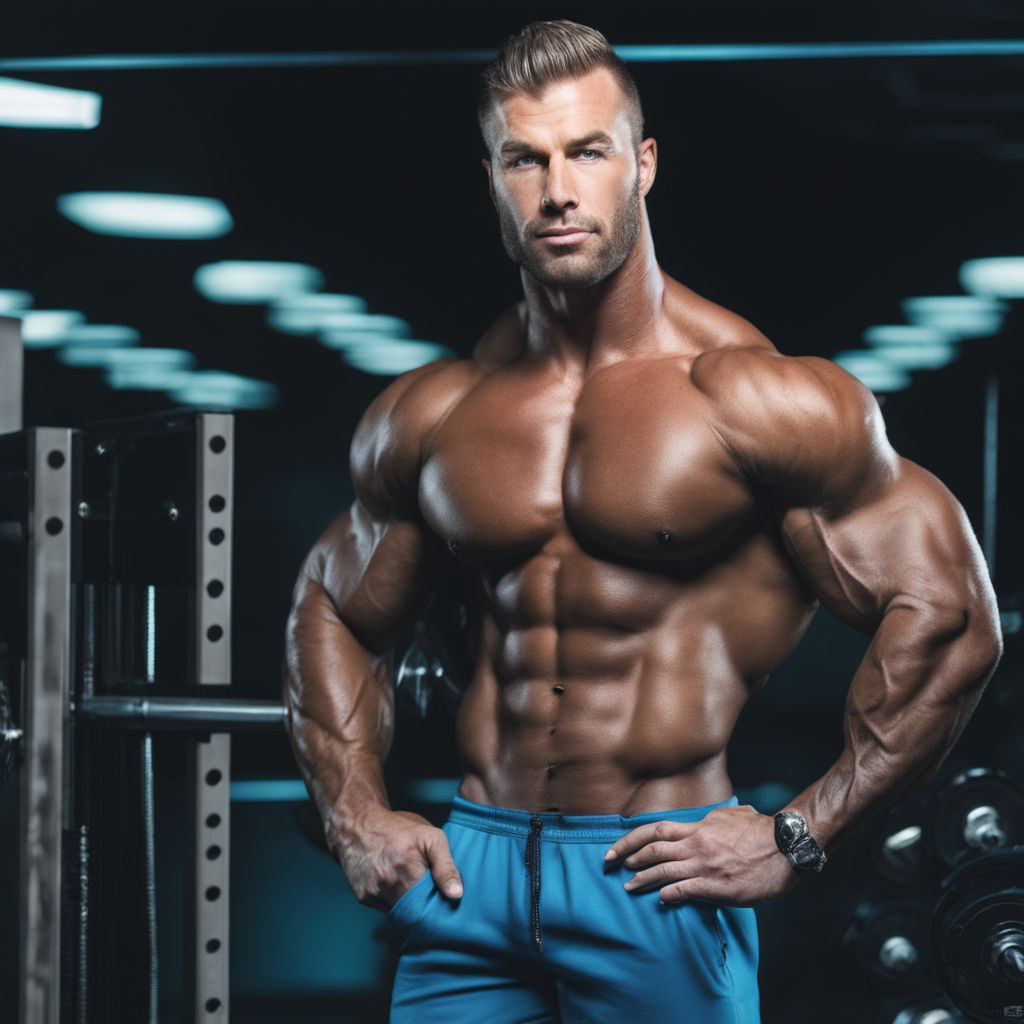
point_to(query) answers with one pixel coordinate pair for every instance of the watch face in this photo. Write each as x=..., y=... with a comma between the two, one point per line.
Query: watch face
x=789, y=828
x=805, y=856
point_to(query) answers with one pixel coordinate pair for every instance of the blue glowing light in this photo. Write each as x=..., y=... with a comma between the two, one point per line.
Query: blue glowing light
x=1000, y=277
x=389, y=358
x=227, y=390
x=434, y=791
x=343, y=330
x=146, y=376
x=146, y=214
x=118, y=335
x=255, y=281
x=873, y=372
x=31, y=105
x=308, y=313
x=917, y=356
x=44, y=328
x=905, y=334
x=641, y=53
x=159, y=360
x=966, y=316
x=12, y=300
x=268, y=791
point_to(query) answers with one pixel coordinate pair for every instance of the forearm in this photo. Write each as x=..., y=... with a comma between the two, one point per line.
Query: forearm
x=909, y=700
x=339, y=711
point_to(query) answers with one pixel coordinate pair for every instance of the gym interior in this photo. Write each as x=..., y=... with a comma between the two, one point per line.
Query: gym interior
x=227, y=228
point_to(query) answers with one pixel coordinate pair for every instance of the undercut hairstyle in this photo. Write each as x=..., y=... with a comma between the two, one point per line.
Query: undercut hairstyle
x=546, y=52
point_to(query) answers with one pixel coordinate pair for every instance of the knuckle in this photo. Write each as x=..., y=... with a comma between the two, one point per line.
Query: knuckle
x=663, y=830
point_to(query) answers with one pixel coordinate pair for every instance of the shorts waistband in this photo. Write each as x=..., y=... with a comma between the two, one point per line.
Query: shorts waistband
x=567, y=828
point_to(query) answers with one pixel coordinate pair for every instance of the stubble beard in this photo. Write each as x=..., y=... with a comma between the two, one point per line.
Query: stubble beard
x=574, y=269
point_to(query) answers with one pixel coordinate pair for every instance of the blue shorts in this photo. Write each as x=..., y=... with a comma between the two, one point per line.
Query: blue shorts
x=545, y=933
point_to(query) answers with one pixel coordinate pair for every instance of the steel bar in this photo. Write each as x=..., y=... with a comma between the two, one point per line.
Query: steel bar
x=155, y=713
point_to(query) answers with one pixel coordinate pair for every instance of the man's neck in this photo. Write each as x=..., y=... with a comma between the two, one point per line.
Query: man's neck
x=605, y=323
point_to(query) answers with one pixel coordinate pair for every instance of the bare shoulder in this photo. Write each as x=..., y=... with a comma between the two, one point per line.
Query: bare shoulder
x=395, y=431
x=797, y=421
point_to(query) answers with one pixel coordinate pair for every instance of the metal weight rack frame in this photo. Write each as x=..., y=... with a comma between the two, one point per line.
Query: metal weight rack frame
x=115, y=623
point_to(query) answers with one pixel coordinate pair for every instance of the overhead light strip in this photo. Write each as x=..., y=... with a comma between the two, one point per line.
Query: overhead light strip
x=683, y=53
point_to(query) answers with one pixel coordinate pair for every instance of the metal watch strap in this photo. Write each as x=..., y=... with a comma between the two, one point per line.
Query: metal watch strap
x=797, y=844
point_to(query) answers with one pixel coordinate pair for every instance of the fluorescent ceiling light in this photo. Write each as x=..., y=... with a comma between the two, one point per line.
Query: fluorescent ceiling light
x=13, y=301
x=146, y=214
x=255, y=281
x=1001, y=277
x=213, y=387
x=31, y=105
x=42, y=328
x=389, y=357
x=873, y=372
x=309, y=313
x=919, y=357
x=348, y=329
x=649, y=52
x=106, y=356
x=145, y=376
x=100, y=334
x=323, y=302
x=905, y=334
x=966, y=316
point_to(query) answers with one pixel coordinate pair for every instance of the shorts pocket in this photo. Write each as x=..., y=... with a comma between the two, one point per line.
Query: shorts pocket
x=411, y=906
x=707, y=935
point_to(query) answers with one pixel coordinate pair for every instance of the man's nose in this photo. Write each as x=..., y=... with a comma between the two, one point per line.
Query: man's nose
x=559, y=188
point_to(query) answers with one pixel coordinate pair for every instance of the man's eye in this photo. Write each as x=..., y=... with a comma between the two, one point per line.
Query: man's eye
x=526, y=160
x=589, y=154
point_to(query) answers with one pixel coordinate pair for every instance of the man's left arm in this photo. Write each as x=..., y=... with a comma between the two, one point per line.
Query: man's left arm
x=887, y=549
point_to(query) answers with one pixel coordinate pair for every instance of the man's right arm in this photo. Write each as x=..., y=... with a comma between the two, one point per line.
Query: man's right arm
x=364, y=582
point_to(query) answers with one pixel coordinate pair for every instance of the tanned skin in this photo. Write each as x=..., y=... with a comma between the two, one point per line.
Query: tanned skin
x=651, y=501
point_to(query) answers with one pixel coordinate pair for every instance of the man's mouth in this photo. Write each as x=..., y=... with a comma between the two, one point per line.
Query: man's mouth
x=569, y=235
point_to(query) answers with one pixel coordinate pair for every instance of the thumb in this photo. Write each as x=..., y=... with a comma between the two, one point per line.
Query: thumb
x=442, y=868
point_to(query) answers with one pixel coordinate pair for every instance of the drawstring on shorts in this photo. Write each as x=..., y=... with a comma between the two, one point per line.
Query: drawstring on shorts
x=533, y=867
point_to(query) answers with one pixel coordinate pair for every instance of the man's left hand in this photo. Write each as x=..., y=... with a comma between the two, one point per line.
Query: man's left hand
x=729, y=857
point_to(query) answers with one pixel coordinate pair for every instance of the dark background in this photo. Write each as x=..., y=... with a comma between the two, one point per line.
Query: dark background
x=811, y=196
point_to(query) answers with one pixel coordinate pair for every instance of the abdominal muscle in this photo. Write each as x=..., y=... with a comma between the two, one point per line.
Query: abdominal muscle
x=604, y=689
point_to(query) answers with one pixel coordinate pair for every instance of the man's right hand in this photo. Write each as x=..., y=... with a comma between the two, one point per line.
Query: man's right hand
x=384, y=854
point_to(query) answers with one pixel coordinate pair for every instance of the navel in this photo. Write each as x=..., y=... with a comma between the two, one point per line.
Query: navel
x=664, y=537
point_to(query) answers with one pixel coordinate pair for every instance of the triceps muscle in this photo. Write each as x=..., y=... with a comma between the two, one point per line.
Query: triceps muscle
x=905, y=566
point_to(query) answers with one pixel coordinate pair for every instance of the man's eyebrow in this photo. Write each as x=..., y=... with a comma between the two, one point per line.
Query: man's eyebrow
x=515, y=146
x=588, y=140
x=512, y=147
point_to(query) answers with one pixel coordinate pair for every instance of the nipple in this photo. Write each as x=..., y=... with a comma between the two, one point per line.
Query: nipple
x=454, y=547
x=664, y=537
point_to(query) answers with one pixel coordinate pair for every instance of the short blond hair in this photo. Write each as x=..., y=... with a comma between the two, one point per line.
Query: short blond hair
x=546, y=52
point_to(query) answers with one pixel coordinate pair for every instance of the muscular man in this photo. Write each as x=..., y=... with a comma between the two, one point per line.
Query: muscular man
x=651, y=501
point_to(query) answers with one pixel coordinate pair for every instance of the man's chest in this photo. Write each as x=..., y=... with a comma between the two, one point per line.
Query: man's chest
x=629, y=462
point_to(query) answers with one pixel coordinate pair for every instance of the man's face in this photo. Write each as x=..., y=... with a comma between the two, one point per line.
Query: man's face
x=567, y=180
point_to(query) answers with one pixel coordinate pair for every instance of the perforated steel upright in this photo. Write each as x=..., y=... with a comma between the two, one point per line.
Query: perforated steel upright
x=212, y=756
x=46, y=720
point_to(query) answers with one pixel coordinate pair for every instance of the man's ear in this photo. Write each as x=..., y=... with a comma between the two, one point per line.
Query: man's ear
x=490, y=181
x=647, y=161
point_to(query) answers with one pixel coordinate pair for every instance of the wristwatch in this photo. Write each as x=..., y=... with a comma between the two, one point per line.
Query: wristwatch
x=797, y=844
